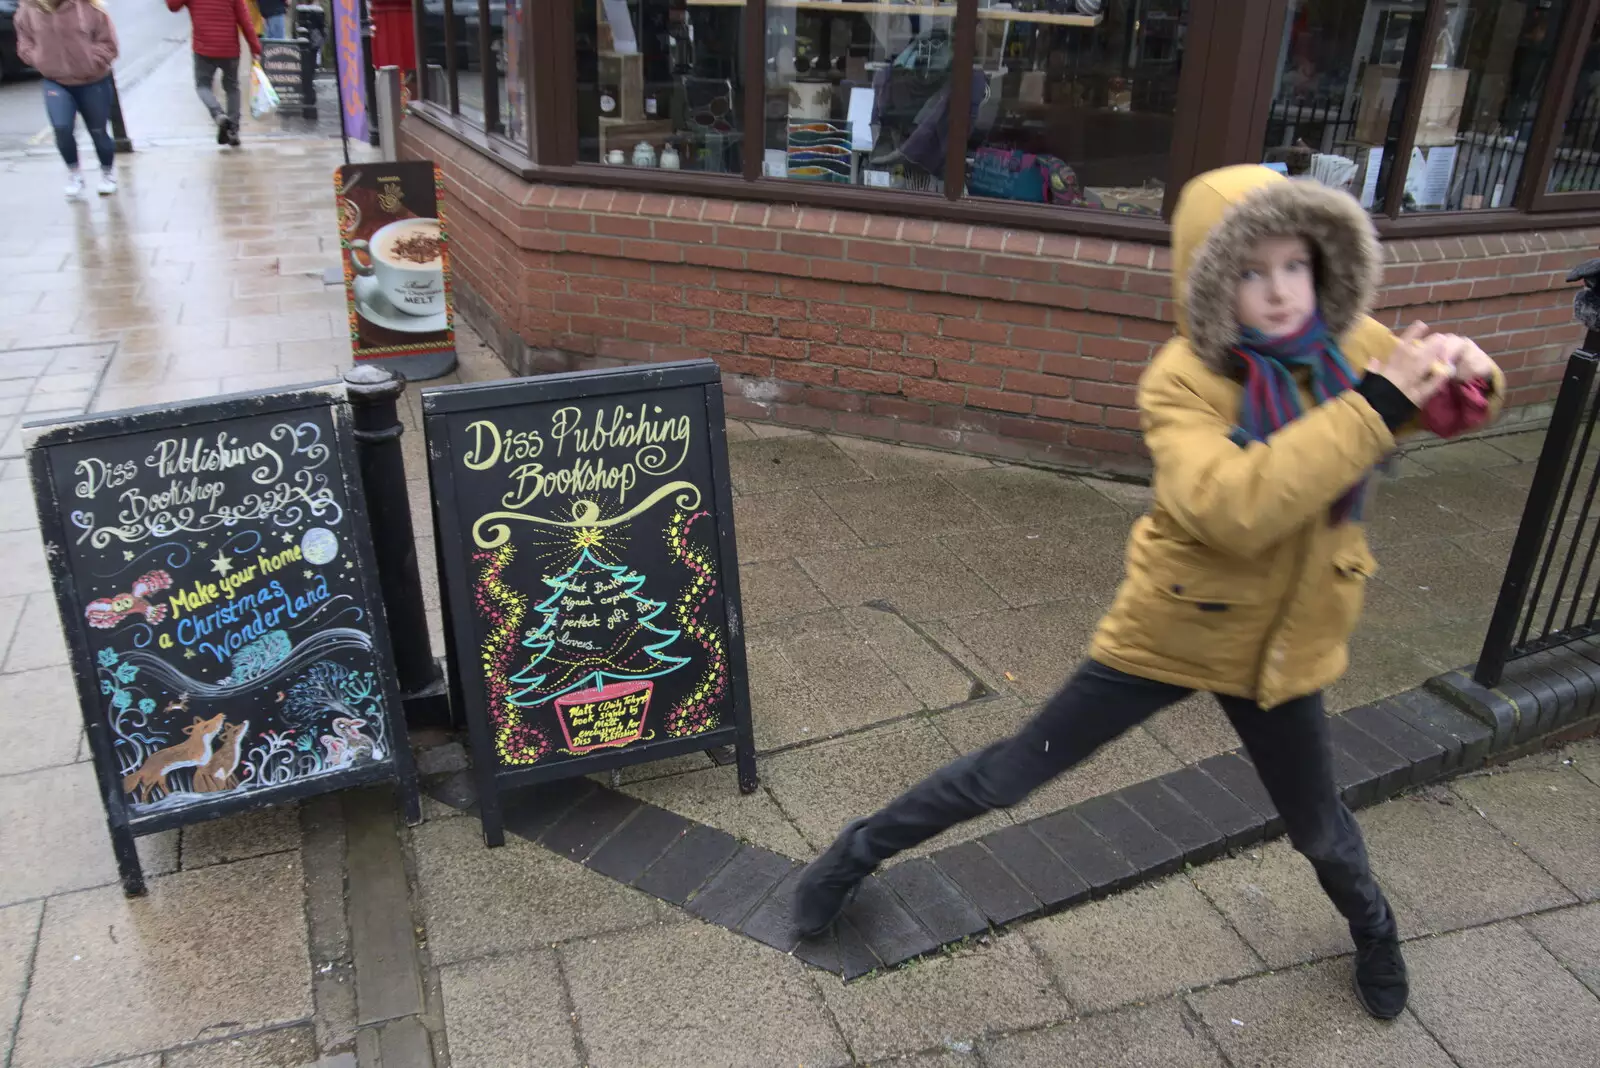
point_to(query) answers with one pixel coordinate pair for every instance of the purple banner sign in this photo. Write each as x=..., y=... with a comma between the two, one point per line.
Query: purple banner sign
x=352, y=76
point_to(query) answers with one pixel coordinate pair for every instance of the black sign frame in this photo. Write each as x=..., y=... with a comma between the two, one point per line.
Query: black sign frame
x=124, y=826
x=467, y=687
x=302, y=95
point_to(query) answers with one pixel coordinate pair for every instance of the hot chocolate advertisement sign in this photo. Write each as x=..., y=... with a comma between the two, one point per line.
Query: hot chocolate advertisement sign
x=214, y=579
x=395, y=252
x=587, y=541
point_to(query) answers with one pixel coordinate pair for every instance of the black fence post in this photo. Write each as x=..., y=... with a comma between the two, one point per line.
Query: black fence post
x=373, y=392
x=119, y=130
x=1547, y=480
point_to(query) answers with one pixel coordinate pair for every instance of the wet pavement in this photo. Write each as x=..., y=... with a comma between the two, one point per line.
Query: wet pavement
x=904, y=607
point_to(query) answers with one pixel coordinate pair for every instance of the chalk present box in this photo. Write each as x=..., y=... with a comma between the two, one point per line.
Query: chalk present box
x=612, y=715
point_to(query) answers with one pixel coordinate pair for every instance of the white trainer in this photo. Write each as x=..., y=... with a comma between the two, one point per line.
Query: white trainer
x=108, y=183
x=74, y=186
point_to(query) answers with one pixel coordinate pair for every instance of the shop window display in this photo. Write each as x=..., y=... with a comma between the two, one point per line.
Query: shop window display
x=1577, y=163
x=659, y=84
x=1488, y=68
x=1074, y=102
x=1340, y=67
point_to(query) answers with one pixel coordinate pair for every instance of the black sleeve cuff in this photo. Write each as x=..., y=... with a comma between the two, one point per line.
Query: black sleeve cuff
x=1394, y=407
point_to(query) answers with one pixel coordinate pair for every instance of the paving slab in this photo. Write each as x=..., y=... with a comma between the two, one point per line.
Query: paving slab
x=1147, y=943
x=19, y=932
x=789, y=462
x=1271, y=896
x=822, y=787
x=54, y=835
x=891, y=511
x=778, y=589
x=1445, y=867
x=508, y=1012
x=284, y=1047
x=37, y=642
x=712, y=796
x=922, y=579
x=206, y=953
x=1034, y=650
x=40, y=724
x=253, y=834
x=773, y=526
x=1572, y=936
x=1024, y=495
x=820, y=685
x=1553, y=815
x=519, y=896
x=1193, y=729
x=1494, y=998
x=1079, y=561
x=882, y=460
x=954, y=997
x=1144, y=1037
x=1309, y=1017
x=692, y=994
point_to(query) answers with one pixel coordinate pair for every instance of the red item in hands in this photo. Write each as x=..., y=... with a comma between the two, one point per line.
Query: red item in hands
x=1456, y=409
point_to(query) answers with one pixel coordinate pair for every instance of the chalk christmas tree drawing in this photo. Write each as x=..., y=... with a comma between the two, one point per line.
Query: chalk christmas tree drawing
x=595, y=652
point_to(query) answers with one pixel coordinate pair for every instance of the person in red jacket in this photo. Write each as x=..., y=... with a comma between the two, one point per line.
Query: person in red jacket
x=216, y=26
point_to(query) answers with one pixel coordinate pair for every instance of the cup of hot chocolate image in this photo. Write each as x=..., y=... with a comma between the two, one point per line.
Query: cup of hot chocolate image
x=406, y=258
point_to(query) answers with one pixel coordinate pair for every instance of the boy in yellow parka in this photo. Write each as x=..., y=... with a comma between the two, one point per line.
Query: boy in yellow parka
x=1265, y=418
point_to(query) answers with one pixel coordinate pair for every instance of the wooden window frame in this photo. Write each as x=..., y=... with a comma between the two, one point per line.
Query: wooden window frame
x=1224, y=107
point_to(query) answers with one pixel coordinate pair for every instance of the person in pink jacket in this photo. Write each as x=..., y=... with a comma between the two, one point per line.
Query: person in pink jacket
x=72, y=43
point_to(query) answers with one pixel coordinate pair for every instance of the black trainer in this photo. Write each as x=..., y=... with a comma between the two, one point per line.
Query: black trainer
x=222, y=129
x=1381, y=983
x=829, y=882
x=233, y=133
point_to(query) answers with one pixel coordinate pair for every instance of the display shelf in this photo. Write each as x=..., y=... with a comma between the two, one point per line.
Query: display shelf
x=876, y=7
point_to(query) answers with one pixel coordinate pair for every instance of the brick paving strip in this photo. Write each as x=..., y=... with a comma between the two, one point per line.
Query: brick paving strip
x=1100, y=846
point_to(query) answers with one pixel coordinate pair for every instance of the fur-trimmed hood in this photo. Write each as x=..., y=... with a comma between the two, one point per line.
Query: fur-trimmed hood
x=1222, y=213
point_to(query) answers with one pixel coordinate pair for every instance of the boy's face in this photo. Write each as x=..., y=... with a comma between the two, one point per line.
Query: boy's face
x=1277, y=288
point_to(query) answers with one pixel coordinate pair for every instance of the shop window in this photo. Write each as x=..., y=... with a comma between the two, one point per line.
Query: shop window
x=1489, y=64
x=858, y=93
x=435, y=47
x=659, y=84
x=1073, y=102
x=1340, y=67
x=469, y=59
x=508, y=45
x=1576, y=168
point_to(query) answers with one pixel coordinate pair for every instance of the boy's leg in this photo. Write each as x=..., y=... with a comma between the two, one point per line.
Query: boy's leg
x=205, y=73
x=1290, y=749
x=1096, y=705
x=94, y=103
x=62, y=111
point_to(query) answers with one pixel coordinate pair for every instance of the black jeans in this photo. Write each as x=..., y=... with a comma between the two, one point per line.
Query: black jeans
x=1288, y=745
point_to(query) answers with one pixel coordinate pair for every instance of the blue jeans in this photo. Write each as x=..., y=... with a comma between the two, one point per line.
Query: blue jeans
x=275, y=26
x=64, y=103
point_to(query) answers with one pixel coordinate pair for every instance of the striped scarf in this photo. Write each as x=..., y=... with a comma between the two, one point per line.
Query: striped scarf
x=1272, y=396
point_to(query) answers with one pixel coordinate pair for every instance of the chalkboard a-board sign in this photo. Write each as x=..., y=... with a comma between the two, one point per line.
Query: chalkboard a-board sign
x=213, y=570
x=586, y=545
x=288, y=67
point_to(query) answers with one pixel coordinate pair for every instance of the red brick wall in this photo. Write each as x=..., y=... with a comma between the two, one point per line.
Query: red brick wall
x=1006, y=343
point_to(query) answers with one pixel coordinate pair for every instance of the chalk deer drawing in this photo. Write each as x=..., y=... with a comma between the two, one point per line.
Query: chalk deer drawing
x=221, y=771
x=192, y=752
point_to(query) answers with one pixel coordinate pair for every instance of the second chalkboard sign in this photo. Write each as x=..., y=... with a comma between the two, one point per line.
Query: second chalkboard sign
x=214, y=573
x=586, y=544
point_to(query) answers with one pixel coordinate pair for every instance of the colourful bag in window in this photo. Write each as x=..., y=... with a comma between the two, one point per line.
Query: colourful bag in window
x=1009, y=175
x=1063, y=182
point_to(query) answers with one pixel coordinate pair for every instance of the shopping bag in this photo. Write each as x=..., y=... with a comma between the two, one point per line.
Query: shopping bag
x=263, y=97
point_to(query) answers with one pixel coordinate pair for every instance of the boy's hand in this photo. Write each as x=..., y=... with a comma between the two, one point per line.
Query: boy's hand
x=1417, y=365
x=1469, y=363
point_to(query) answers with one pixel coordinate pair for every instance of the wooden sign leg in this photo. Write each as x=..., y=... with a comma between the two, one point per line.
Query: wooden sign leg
x=128, y=866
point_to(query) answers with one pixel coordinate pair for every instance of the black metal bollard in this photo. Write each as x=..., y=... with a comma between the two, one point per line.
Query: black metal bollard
x=119, y=131
x=373, y=392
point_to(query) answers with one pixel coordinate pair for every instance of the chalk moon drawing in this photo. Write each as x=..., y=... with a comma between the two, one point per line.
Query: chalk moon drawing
x=319, y=545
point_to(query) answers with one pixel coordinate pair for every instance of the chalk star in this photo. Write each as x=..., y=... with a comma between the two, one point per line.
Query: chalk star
x=201, y=544
x=288, y=536
x=188, y=654
x=308, y=573
x=127, y=554
x=348, y=564
x=221, y=563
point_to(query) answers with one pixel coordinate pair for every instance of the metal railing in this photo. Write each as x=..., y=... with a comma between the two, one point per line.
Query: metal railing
x=1551, y=591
